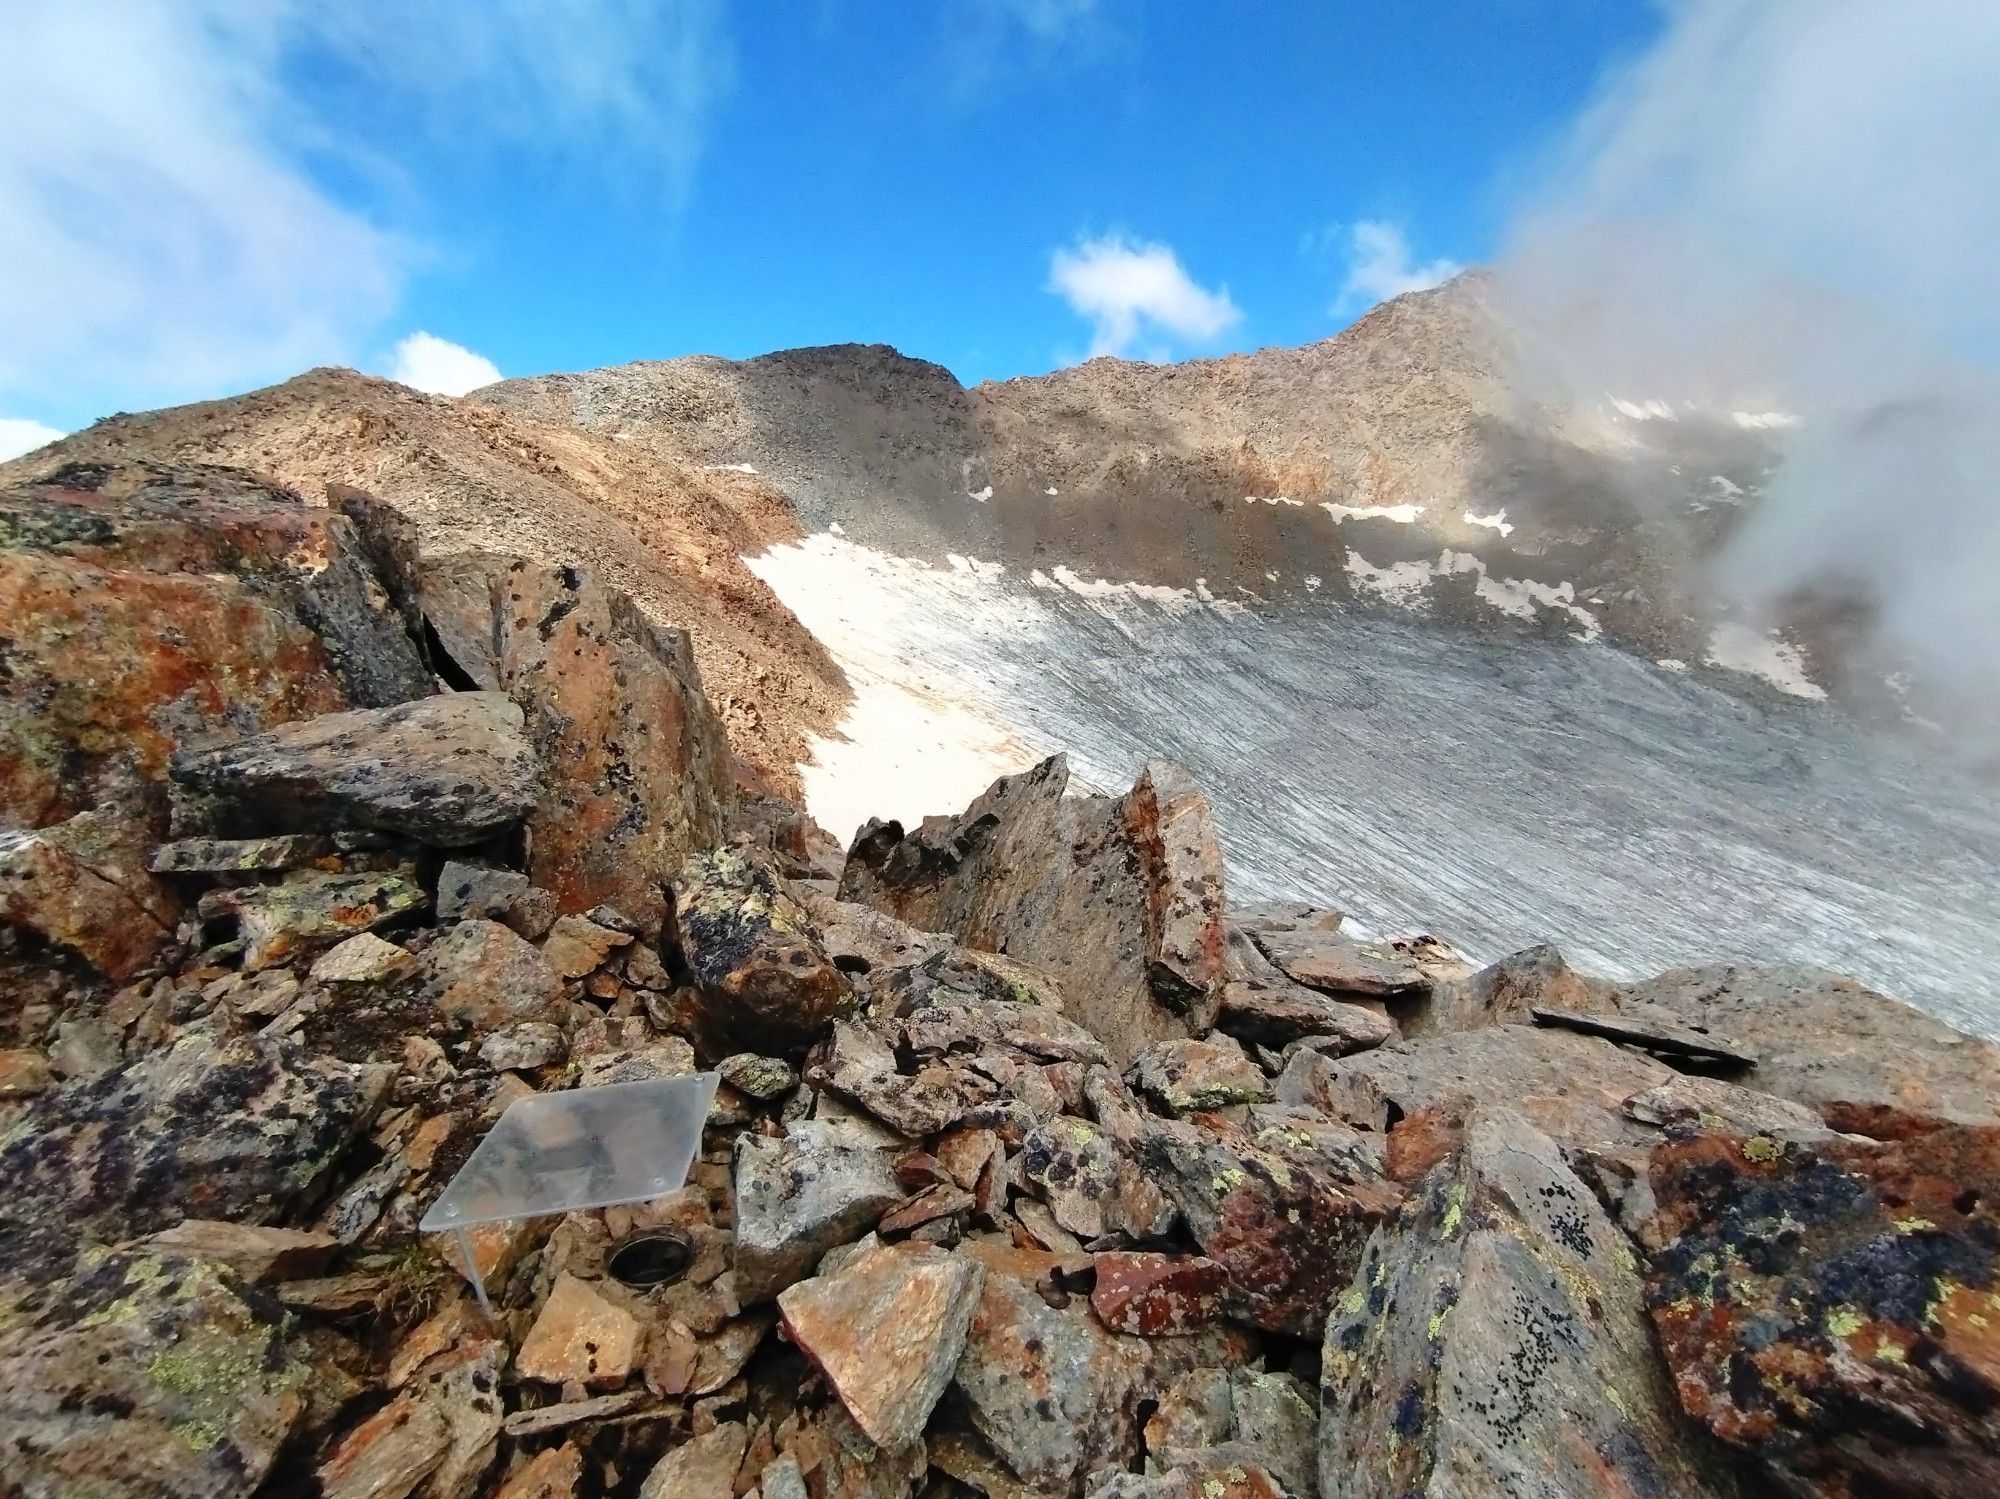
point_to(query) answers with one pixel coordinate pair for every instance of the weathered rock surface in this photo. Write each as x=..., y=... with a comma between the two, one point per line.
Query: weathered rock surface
x=887, y=1329
x=114, y=917
x=258, y=1255
x=1075, y=885
x=795, y=1200
x=763, y=982
x=1833, y=1305
x=484, y=976
x=1494, y=1341
x=237, y=1128
x=1857, y=1056
x=310, y=911
x=141, y=604
x=1189, y=1077
x=1157, y=1295
x=1505, y=992
x=1339, y=965
x=143, y=1375
x=579, y=1336
x=1054, y=1392
x=446, y=771
x=635, y=762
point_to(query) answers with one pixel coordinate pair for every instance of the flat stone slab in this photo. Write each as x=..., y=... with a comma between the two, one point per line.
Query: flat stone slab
x=1659, y=1036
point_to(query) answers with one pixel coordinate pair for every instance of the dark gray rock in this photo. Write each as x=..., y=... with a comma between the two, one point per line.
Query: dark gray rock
x=795, y=1200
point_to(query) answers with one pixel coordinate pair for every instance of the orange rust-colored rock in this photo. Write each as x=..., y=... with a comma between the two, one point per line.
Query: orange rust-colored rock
x=1157, y=1295
x=579, y=1336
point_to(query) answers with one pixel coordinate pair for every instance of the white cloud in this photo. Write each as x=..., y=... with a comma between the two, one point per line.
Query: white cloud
x=19, y=435
x=169, y=231
x=429, y=363
x=1129, y=289
x=1379, y=266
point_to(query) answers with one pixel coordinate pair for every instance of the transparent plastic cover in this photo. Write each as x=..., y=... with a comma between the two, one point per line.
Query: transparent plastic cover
x=583, y=1148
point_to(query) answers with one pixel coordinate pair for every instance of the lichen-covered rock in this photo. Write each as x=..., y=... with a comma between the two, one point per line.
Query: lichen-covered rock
x=1089, y=1183
x=61, y=885
x=636, y=766
x=484, y=976
x=243, y=855
x=1494, y=1342
x=1286, y=1224
x=761, y=1078
x=578, y=946
x=1054, y=1392
x=447, y=771
x=144, y=604
x=763, y=983
x=1189, y=1077
x=1157, y=1295
x=859, y=1064
x=886, y=1329
x=239, y=1128
x=311, y=910
x=1833, y=1304
x=795, y=1200
x=1075, y=885
x=1336, y=964
x=467, y=890
x=1859, y=1057
x=144, y=1375
x=1507, y=992
x=1234, y=1427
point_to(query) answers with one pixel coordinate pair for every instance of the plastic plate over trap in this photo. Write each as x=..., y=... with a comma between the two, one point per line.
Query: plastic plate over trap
x=582, y=1148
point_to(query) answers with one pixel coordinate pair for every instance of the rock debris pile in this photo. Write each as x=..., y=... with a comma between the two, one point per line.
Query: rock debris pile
x=1036, y=1165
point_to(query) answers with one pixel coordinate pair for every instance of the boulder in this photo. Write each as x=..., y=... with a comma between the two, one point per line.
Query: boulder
x=241, y=1128
x=858, y=1063
x=446, y=771
x=1832, y=1304
x=1054, y=1392
x=704, y=1464
x=578, y=946
x=465, y=890
x=1188, y=1077
x=886, y=1329
x=1505, y=992
x=1859, y=1057
x=579, y=1336
x=1494, y=1342
x=795, y=1200
x=66, y=888
x=144, y=1375
x=1118, y=898
x=364, y=959
x=244, y=855
x=1213, y=1421
x=310, y=910
x=636, y=766
x=258, y=1254
x=1157, y=1295
x=142, y=605
x=1090, y=1184
x=762, y=981
x=482, y=975
x=1340, y=965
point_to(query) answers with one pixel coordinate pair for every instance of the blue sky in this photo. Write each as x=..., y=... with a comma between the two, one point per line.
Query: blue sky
x=199, y=196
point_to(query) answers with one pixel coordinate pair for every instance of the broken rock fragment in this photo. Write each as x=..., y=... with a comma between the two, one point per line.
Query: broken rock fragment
x=1495, y=1335
x=579, y=1335
x=447, y=771
x=116, y=919
x=311, y=910
x=763, y=983
x=1189, y=1077
x=483, y=975
x=795, y=1200
x=887, y=1329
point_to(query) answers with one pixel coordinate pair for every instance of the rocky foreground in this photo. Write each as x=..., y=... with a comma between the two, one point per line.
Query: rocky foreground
x=1037, y=1166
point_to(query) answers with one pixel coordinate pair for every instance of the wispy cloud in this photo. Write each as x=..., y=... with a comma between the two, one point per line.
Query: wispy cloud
x=423, y=361
x=1129, y=290
x=169, y=227
x=18, y=436
x=987, y=42
x=1380, y=266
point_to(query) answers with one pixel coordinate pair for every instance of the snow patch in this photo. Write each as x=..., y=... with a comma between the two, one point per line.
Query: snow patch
x=1497, y=521
x=732, y=468
x=1520, y=598
x=1272, y=499
x=1404, y=584
x=1401, y=514
x=982, y=495
x=1736, y=647
x=1644, y=411
x=1670, y=663
x=1052, y=491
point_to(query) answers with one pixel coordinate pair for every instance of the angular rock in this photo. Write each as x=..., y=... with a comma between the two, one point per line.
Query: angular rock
x=1506, y=992
x=555, y=1473
x=577, y=946
x=580, y=1336
x=1339, y=965
x=1568, y=1086
x=309, y=911
x=1217, y=1473
x=944, y=1024
x=145, y=1375
x=1189, y=1077
x=24, y=1073
x=1833, y=1044
x=1277, y=1014
x=1052, y=1391
x=364, y=959
x=861, y=939
x=1494, y=1342
x=1157, y=1295
x=238, y=1128
x=117, y=919
x=887, y=1329
x=704, y=1464
x=390, y=1453
x=1833, y=1304
x=795, y=1200
x=481, y=974
x=1084, y=1177
x=1072, y=885
x=446, y=771
x=943, y=973
x=763, y=984
x=636, y=762
x=1709, y=1104
x=523, y=1047
x=857, y=1063
x=465, y=890
x=761, y=1078
x=1662, y=1038
x=242, y=855
x=260, y=1255
x=1286, y=1226
x=142, y=605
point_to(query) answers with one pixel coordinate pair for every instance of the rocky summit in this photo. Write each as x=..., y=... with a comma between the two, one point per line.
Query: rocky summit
x=1036, y=1164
